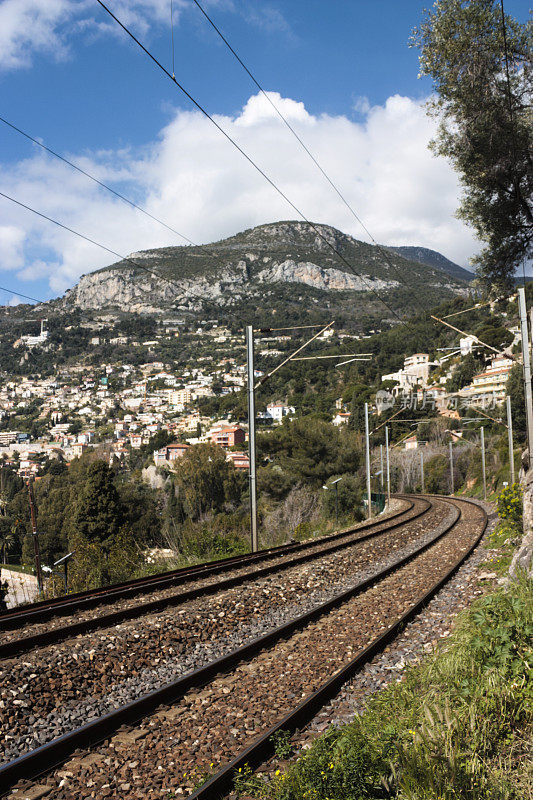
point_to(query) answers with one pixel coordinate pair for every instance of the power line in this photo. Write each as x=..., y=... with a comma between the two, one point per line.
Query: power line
x=210, y=254
x=108, y=250
x=96, y=180
x=213, y=255
x=19, y=294
x=313, y=158
x=247, y=157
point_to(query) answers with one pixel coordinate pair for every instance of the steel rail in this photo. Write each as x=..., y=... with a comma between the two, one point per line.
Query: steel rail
x=43, y=759
x=61, y=606
x=54, y=635
x=263, y=748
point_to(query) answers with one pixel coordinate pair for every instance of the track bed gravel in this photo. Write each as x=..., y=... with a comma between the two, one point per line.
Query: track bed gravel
x=172, y=593
x=165, y=753
x=56, y=689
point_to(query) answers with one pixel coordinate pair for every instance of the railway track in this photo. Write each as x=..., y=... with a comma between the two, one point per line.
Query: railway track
x=55, y=621
x=280, y=679
x=54, y=689
x=47, y=609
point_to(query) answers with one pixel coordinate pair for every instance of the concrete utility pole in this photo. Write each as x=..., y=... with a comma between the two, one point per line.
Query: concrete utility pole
x=381, y=476
x=526, y=360
x=510, y=436
x=251, y=437
x=367, y=451
x=35, y=538
x=422, y=471
x=483, y=463
x=451, y=469
x=388, y=461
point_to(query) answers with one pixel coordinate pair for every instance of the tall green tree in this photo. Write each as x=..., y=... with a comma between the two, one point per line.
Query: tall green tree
x=97, y=513
x=205, y=481
x=482, y=70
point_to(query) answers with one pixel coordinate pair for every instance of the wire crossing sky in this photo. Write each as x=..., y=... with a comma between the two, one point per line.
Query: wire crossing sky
x=341, y=74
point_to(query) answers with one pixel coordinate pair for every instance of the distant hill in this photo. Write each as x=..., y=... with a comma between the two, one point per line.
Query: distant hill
x=282, y=269
x=434, y=259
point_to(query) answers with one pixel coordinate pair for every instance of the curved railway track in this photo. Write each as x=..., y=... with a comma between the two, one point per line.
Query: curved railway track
x=50, y=691
x=27, y=628
x=46, y=609
x=278, y=680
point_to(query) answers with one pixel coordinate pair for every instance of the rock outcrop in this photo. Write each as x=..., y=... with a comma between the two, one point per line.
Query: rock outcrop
x=240, y=267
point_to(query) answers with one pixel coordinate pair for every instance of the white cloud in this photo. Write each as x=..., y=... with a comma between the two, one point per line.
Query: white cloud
x=11, y=247
x=29, y=27
x=46, y=27
x=195, y=181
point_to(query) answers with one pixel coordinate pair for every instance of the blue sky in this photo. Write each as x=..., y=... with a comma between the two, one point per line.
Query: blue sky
x=345, y=76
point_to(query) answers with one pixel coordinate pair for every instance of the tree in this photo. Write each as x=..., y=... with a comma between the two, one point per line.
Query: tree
x=481, y=69
x=310, y=450
x=463, y=373
x=97, y=512
x=515, y=390
x=205, y=481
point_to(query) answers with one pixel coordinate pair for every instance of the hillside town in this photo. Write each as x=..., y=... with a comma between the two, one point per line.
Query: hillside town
x=119, y=407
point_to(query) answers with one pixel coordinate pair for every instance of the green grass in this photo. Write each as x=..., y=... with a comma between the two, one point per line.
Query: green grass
x=503, y=542
x=455, y=726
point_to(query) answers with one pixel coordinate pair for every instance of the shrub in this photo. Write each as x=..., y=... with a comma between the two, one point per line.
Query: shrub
x=510, y=503
x=442, y=732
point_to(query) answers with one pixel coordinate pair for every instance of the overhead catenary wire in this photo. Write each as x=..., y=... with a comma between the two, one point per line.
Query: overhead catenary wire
x=211, y=254
x=112, y=252
x=313, y=158
x=19, y=294
x=96, y=180
x=248, y=158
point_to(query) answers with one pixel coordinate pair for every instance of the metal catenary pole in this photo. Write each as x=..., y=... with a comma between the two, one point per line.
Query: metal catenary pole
x=35, y=536
x=367, y=451
x=381, y=476
x=251, y=438
x=422, y=470
x=510, y=436
x=527, y=370
x=451, y=469
x=388, y=461
x=483, y=468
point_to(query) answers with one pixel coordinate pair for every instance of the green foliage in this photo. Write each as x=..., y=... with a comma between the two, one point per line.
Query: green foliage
x=215, y=536
x=349, y=499
x=440, y=733
x=503, y=541
x=96, y=511
x=510, y=503
x=486, y=128
x=463, y=373
x=495, y=335
x=205, y=481
x=310, y=450
x=515, y=390
x=281, y=741
x=4, y=588
x=437, y=475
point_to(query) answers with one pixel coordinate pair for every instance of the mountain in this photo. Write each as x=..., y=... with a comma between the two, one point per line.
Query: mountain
x=434, y=259
x=282, y=268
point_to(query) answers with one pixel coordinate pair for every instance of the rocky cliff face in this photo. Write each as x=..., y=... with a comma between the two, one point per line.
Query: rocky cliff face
x=243, y=266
